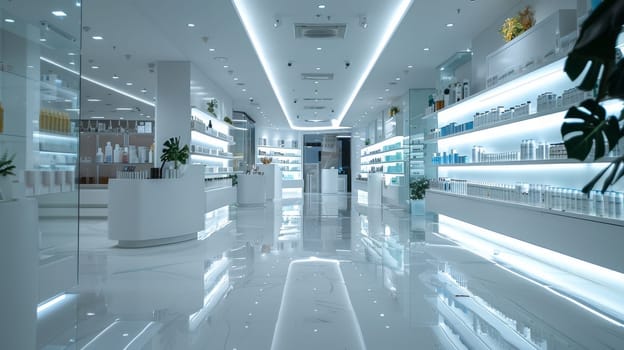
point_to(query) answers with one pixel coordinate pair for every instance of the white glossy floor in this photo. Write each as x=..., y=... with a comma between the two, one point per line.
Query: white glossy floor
x=311, y=273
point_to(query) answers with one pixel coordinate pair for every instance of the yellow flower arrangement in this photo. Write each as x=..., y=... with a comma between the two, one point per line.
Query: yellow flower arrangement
x=514, y=26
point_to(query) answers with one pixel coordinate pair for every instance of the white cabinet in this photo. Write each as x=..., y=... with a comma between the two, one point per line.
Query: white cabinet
x=289, y=161
x=388, y=159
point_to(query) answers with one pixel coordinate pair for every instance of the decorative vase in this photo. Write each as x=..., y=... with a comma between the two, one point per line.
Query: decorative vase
x=417, y=207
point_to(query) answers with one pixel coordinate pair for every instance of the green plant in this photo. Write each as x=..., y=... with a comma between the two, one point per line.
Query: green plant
x=234, y=178
x=212, y=105
x=6, y=164
x=173, y=153
x=418, y=188
x=367, y=142
x=514, y=26
x=227, y=120
x=394, y=110
x=587, y=126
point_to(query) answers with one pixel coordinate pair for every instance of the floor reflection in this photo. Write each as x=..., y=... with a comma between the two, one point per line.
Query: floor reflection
x=406, y=286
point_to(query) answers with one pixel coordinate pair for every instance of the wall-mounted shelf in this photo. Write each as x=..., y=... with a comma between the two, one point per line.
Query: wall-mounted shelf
x=292, y=158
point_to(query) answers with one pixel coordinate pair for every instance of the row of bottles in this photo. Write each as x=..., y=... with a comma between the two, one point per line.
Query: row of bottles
x=127, y=154
x=55, y=121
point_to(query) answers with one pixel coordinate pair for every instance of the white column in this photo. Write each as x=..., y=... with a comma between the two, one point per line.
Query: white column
x=173, y=104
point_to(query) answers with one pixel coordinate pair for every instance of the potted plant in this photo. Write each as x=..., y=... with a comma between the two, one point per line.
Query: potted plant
x=394, y=110
x=367, y=142
x=227, y=120
x=212, y=105
x=172, y=152
x=6, y=172
x=418, y=189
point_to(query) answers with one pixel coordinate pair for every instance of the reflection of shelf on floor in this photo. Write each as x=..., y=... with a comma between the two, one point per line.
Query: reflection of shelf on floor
x=211, y=155
x=526, y=162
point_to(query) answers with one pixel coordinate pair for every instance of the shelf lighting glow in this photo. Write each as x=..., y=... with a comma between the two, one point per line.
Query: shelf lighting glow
x=602, y=287
x=252, y=24
x=207, y=158
x=386, y=142
x=217, y=124
x=209, y=140
x=511, y=93
x=58, y=300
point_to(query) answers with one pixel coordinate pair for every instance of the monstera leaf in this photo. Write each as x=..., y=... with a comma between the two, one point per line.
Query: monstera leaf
x=173, y=153
x=588, y=126
x=617, y=170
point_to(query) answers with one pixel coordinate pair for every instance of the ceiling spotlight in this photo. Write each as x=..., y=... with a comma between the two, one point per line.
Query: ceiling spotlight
x=97, y=37
x=9, y=20
x=319, y=48
x=143, y=90
x=211, y=49
x=321, y=6
x=276, y=23
x=95, y=67
x=235, y=79
x=115, y=76
x=191, y=25
x=59, y=13
x=410, y=66
x=226, y=66
x=363, y=22
x=397, y=78
x=318, y=68
x=387, y=90
x=449, y=25
x=426, y=49
x=441, y=68
x=244, y=90
x=129, y=84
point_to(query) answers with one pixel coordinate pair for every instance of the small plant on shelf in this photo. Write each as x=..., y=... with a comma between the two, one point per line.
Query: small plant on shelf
x=394, y=110
x=227, y=120
x=367, y=142
x=418, y=188
x=266, y=160
x=212, y=105
x=172, y=152
x=6, y=164
x=514, y=26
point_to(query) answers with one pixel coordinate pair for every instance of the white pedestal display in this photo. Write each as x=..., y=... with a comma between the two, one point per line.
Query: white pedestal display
x=251, y=190
x=375, y=188
x=19, y=266
x=329, y=180
x=144, y=213
x=272, y=181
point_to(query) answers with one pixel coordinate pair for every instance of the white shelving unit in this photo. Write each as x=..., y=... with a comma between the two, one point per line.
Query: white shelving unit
x=289, y=161
x=532, y=178
x=210, y=142
x=390, y=160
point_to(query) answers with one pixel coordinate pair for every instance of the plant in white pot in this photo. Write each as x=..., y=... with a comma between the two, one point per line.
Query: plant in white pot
x=172, y=152
x=418, y=188
x=6, y=176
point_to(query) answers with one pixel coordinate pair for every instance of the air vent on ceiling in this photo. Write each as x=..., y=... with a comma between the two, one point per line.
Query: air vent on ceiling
x=314, y=107
x=317, y=76
x=320, y=31
x=316, y=99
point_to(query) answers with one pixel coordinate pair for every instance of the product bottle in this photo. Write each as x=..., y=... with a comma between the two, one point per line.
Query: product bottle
x=108, y=153
x=117, y=154
x=124, y=155
x=99, y=156
x=458, y=92
x=619, y=198
x=466, y=88
x=210, y=124
x=447, y=96
x=598, y=203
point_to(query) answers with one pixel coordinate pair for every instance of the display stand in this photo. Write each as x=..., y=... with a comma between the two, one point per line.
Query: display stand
x=329, y=180
x=375, y=187
x=152, y=212
x=249, y=193
x=272, y=181
x=19, y=264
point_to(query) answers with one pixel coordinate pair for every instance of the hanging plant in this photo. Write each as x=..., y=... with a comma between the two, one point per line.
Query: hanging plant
x=588, y=127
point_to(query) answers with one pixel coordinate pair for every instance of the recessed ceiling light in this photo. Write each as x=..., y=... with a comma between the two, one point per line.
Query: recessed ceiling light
x=122, y=118
x=43, y=40
x=59, y=13
x=71, y=54
x=426, y=49
x=397, y=78
x=129, y=84
x=235, y=79
x=318, y=68
x=115, y=76
x=124, y=109
x=316, y=82
x=72, y=63
x=244, y=90
x=387, y=90
x=258, y=107
x=9, y=20
x=94, y=118
x=97, y=37
x=410, y=66
x=449, y=25
x=95, y=67
x=441, y=68
x=190, y=25
x=94, y=100
x=143, y=90
x=226, y=66
x=148, y=116
x=78, y=4
x=211, y=49
x=319, y=48
x=321, y=6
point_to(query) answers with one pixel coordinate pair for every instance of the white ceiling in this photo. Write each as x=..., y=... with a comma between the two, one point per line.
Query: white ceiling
x=140, y=32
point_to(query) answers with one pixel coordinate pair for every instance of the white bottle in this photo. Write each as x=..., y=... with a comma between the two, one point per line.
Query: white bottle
x=108, y=153
x=99, y=156
x=619, y=198
x=598, y=203
x=117, y=154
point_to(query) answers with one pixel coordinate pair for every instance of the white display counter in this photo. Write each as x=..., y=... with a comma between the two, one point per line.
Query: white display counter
x=251, y=190
x=329, y=180
x=19, y=266
x=375, y=189
x=272, y=181
x=151, y=212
